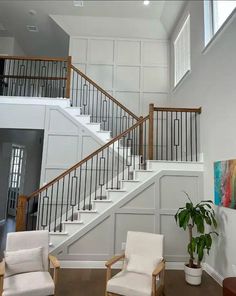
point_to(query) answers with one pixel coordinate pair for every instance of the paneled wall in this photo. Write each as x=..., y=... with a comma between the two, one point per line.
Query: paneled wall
x=134, y=71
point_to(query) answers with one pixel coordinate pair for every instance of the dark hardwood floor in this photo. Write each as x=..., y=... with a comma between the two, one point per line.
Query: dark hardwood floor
x=91, y=282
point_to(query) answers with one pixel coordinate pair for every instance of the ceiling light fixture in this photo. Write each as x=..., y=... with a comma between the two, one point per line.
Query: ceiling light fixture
x=146, y=2
x=78, y=3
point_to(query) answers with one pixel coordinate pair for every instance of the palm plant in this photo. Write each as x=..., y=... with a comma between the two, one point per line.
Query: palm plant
x=198, y=216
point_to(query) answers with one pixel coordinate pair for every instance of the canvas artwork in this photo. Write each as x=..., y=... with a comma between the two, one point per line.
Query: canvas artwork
x=225, y=183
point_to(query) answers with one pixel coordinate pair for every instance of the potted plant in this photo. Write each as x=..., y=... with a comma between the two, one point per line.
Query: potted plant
x=196, y=217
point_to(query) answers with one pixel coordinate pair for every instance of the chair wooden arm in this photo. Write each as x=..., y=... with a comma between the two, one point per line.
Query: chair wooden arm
x=56, y=266
x=114, y=259
x=159, y=270
x=54, y=261
x=2, y=271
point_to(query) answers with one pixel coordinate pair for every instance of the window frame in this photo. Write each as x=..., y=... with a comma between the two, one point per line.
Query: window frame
x=186, y=21
x=210, y=21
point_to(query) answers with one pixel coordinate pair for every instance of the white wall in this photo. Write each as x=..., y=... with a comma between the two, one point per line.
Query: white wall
x=6, y=45
x=211, y=84
x=9, y=46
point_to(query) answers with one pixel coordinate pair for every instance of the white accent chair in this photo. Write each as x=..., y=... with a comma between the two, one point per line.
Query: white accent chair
x=27, y=275
x=143, y=268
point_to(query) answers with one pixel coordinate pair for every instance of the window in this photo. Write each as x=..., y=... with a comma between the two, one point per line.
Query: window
x=182, y=51
x=216, y=13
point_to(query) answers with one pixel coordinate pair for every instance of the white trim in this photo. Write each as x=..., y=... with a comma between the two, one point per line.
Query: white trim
x=213, y=273
x=220, y=31
x=2, y=221
x=101, y=265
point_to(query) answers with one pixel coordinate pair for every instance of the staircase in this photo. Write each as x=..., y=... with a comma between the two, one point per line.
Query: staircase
x=133, y=152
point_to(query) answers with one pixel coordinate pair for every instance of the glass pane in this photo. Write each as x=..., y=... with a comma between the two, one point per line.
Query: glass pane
x=222, y=9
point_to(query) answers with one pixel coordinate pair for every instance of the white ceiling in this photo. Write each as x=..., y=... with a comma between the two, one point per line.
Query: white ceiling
x=51, y=40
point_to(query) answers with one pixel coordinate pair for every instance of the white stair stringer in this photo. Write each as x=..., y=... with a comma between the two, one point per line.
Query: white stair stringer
x=115, y=199
x=85, y=120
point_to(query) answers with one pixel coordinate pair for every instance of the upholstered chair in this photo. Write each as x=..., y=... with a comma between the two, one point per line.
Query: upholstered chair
x=143, y=267
x=24, y=271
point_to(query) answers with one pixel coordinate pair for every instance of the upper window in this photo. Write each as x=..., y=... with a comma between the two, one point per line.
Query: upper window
x=182, y=51
x=216, y=13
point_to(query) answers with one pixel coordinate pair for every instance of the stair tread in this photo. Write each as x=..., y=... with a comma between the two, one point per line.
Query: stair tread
x=58, y=233
x=73, y=222
x=149, y=171
x=87, y=211
x=131, y=181
x=116, y=190
x=102, y=200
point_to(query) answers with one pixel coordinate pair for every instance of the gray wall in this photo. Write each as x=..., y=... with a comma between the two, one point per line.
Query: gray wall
x=151, y=208
x=211, y=84
x=33, y=141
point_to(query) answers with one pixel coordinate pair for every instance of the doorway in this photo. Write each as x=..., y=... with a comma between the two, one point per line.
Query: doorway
x=16, y=177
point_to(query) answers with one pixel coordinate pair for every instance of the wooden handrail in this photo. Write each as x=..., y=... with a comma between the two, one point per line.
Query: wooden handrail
x=194, y=110
x=104, y=92
x=36, y=58
x=35, y=193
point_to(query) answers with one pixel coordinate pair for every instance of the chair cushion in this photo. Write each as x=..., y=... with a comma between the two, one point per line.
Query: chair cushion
x=142, y=264
x=27, y=260
x=37, y=283
x=130, y=284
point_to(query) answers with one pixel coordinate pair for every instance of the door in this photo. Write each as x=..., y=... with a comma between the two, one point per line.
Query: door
x=16, y=177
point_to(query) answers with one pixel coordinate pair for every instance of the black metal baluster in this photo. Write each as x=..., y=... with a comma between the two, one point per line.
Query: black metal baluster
x=162, y=133
x=79, y=191
x=186, y=135
x=62, y=203
x=171, y=135
x=55, y=218
x=191, y=135
x=196, y=135
x=68, y=196
x=91, y=183
x=85, y=185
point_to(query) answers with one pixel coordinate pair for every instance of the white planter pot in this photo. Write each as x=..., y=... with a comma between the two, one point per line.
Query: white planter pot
x=193, y=276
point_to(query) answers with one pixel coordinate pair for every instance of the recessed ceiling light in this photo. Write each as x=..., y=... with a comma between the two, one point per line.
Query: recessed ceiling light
x=146, y=2
x=32, y=28
x=78, y=3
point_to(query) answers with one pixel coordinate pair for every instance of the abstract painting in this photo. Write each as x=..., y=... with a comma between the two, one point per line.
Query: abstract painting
x=225, y=183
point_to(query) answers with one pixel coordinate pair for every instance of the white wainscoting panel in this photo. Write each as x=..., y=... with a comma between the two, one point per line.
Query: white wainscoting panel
x=126, y=66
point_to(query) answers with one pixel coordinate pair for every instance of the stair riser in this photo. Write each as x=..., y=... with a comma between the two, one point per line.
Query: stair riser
x=142, y=176
x=83, y=119
x=55, y=239
x=72, y=228
x=94, y=127
x=129, y=185
x=101, y=206
x=74, y=112
x=104, y=136
x=115, y=195
x=86, y=217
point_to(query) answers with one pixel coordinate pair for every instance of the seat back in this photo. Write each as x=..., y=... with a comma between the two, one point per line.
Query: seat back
x=144, y=244
x=28, y=240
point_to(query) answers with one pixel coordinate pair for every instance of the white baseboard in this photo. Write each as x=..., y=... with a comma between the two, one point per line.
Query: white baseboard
x=213, y=273
x=101, y=265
